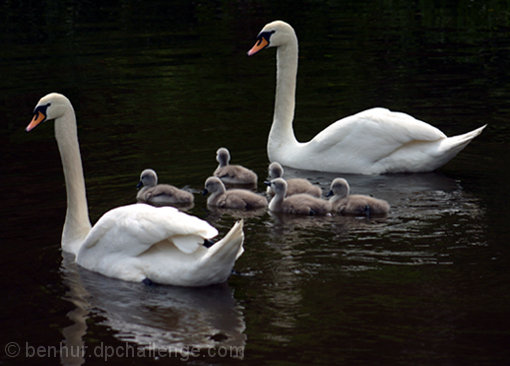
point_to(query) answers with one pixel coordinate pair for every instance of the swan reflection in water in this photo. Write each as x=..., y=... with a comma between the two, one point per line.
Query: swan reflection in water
x=163, y=318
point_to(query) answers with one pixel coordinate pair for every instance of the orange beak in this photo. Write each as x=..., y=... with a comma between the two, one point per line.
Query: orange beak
x=260, y=45
x=38, y=118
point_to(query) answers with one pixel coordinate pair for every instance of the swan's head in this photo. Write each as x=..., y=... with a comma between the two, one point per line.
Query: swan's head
x=51, y=106
x=148, y=178
x=279, y=186
x=273, y=34
x=339, y=187
x=275, y=170
x=213, y=185
x=222, y=156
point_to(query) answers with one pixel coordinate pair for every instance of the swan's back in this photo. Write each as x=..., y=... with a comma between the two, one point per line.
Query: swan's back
x=374, y=141
x=139, y=241
x=162, y=244
x=132, y=229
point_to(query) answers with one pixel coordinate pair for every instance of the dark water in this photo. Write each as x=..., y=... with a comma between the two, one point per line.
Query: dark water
x=162, y=85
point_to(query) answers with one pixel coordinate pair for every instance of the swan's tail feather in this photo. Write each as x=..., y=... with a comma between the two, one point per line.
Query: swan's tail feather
x=464, y=139
x=451, y=146
x=231, y=245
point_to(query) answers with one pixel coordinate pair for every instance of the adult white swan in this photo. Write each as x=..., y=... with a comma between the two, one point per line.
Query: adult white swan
x=374, y=141
x=136, y=242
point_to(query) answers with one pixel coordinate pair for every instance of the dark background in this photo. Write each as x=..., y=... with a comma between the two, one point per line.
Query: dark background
x=163, y=84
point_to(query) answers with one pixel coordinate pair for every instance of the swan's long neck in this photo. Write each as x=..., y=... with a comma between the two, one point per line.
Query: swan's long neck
x=282, y=133
x=77, y=223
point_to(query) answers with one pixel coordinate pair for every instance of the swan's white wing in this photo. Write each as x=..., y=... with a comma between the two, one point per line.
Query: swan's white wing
x=378, y=131
x=159, y=243
x=133, y=229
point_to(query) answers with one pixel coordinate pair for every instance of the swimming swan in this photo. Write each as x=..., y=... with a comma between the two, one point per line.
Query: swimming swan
x=374, y=141
x=233, y=174
x=298, y=204
x=160, y=194
x=240, y=199
x=344, y=203
x=134, y=242
x=294, y=185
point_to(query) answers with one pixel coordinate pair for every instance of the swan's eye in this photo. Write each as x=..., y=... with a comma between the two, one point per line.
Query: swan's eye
x=39, y=117
x=41, y=109
x=262, y=42
x=264, y=36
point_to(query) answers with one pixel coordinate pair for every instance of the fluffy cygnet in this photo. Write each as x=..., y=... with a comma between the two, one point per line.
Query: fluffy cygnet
x=298, y=204
x=344, y=203
x=232, y=174
x=294, y=185
x=240, y=199
x=160, y=194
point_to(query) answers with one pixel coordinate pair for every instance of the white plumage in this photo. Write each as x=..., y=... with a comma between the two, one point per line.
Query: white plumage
x=374, y=141
x=134, y=242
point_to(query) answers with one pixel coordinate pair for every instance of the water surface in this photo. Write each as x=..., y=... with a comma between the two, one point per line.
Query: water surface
x=163, y=84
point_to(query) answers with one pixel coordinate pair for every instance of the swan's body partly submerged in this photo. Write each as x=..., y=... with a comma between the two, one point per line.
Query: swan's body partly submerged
x=294, y=185
x=374, y=141
x=233, y=174
x=298, y=204
x=238, y=199
x=344, y=203
x=160, y=194
x=134, y=242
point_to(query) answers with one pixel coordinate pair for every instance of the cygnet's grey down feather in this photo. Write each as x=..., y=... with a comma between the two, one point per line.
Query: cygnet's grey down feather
x=240, y=199
x=344, y=203
x=294, y=185
x=160, y=194
x=233, y=174
x=298, y=204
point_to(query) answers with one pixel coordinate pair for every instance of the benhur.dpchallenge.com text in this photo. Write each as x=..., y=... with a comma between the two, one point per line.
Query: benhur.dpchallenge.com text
x=125, y=350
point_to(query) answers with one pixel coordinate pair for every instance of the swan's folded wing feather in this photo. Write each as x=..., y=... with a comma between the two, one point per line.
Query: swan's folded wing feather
x=378, y=131
x=135, y=228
